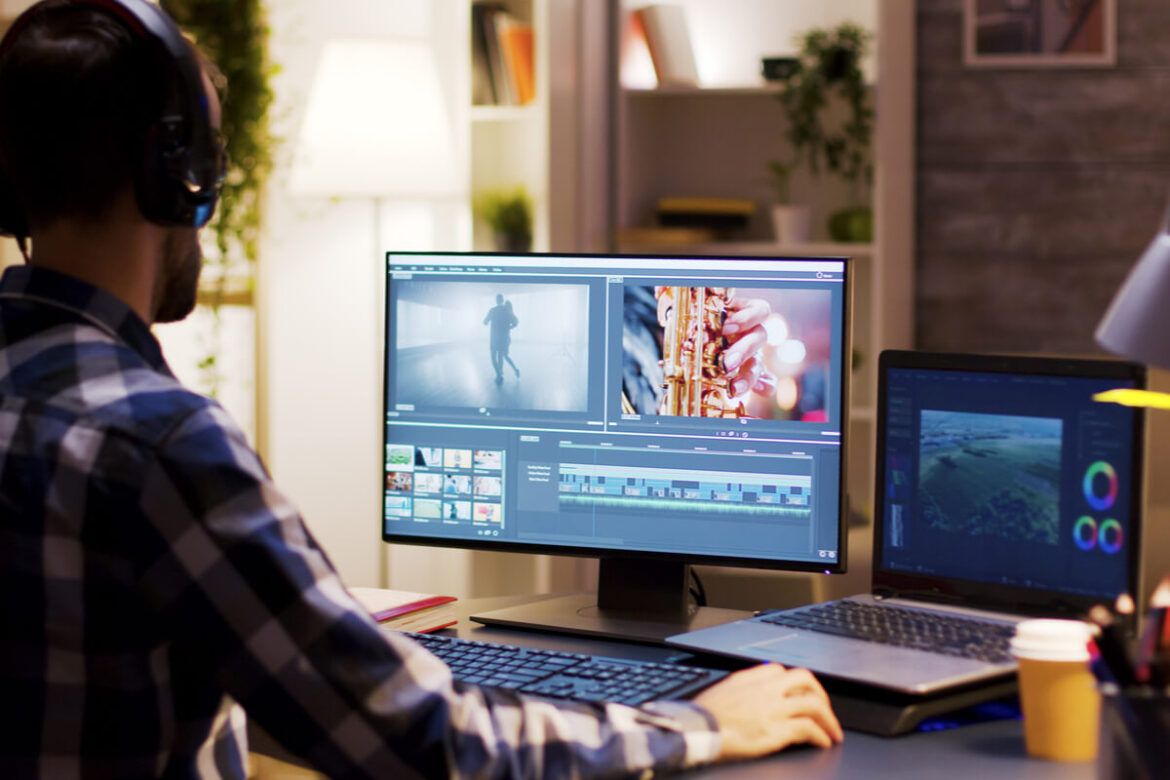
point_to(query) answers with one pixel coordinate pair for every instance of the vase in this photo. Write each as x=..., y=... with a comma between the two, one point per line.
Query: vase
x=513, y=244
x=852, y=225
x=792, y=224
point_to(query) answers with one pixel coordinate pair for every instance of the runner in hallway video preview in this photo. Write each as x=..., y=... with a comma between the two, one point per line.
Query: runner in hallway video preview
x=502, y=319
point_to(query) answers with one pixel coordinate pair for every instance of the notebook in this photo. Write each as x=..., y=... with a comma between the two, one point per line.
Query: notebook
x=403, y=610
x=1003, y=491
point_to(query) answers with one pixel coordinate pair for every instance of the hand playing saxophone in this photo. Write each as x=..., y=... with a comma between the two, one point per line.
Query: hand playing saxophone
x=743, y=359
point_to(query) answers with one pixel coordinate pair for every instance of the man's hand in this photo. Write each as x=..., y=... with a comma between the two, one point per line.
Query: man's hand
x=768, y=708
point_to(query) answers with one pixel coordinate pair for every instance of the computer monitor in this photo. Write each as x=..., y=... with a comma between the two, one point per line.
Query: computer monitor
x=654, y=412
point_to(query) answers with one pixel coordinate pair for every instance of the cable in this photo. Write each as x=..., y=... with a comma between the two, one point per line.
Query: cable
x=699, y=592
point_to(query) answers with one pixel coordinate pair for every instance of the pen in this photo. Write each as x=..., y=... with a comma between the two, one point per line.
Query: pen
x=1161, y=598
x=1110, y=642
x=1149, y=645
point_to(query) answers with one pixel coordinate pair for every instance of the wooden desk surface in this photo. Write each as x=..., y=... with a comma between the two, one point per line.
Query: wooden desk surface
x=987, y=750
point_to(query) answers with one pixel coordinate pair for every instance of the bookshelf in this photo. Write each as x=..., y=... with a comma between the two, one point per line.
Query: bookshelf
x=596, y=153
x=715, y=139
x=509, y=140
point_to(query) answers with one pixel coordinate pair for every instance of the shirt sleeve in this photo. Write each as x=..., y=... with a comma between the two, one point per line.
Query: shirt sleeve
x=236, y=577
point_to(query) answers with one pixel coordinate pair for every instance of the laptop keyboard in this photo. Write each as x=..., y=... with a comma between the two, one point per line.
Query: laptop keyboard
x=980, y=640
x=571, y=676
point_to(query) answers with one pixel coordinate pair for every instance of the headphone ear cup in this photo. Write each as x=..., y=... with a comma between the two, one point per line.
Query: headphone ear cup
x=149, y=181
x=158, y=185
x=12, y=219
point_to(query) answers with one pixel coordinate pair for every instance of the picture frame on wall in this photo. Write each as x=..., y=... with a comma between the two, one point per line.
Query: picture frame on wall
x=1040, y=33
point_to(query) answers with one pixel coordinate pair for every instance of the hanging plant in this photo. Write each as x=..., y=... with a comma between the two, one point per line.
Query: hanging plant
x=234, y=35
x=828, y=71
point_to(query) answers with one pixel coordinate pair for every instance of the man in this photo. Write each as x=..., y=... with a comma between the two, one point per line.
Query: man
x=501, y=319
x=150, y=571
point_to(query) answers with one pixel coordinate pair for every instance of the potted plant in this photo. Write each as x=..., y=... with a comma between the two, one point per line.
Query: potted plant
x=791, y=222
x=829, y=72
x=508, y=213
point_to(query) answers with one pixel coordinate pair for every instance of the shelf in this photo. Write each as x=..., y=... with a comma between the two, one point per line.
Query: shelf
x=746, y=90
x=763, y=248
x=504, y=113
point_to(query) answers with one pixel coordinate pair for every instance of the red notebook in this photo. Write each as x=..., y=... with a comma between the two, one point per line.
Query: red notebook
x=403, y=610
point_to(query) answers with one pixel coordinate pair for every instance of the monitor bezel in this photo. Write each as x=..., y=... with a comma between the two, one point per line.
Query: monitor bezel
x=839, y=567
x=893, y=583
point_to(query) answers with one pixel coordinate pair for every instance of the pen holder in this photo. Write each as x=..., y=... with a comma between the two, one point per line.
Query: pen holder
x=1135, y=733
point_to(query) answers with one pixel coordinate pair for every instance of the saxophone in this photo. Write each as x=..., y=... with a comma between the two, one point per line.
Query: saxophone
x=695, y=383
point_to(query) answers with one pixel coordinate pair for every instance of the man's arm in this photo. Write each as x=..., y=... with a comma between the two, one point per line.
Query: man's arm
x=235, y=576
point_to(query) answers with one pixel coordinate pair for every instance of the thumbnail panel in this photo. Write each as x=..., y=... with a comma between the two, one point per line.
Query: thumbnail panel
x=446, y=485
x=726, y=352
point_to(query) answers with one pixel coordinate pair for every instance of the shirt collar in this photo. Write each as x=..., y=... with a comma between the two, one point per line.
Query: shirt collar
x=96, y=307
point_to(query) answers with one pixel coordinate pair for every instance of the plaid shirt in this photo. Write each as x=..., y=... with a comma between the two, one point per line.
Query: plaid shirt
x=151, y=574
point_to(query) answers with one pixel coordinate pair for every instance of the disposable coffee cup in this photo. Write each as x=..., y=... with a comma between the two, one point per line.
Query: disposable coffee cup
x=1058, y=693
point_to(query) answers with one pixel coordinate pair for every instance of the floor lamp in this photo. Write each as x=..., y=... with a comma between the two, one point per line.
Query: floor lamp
x=376, y=128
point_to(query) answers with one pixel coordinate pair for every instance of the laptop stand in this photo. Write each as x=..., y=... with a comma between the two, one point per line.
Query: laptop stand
x=888, y=714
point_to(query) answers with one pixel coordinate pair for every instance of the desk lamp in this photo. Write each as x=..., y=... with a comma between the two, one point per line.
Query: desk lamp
x=1138, y=319
x=1137, y=323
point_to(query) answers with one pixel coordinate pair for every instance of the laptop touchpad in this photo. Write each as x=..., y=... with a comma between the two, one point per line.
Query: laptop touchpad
x=796, y=646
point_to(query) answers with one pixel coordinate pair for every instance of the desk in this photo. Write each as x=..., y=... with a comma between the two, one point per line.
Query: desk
x=977, y=752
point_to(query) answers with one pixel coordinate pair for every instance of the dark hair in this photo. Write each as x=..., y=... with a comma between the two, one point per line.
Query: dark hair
x=78, y=94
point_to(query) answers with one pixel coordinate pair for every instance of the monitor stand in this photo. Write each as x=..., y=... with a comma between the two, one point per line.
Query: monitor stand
x=638, y=599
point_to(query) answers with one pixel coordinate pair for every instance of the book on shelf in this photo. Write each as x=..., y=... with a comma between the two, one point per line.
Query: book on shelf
x=404, y=610
x=663, y=236
x=669, y=41
x=483, y=87
x=717, y=214
x=502, y=57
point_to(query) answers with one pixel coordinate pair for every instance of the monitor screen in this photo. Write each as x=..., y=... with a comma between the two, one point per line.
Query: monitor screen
x=1011, y=475
x=678, y=407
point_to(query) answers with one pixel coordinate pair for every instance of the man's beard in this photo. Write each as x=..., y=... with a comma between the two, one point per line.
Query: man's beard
x=182, y=262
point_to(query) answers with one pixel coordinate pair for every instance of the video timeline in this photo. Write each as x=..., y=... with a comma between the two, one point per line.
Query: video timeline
x=626, y=488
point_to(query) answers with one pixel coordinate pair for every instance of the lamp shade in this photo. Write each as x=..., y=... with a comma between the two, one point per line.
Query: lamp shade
x=375, y=125
x=1137, y=324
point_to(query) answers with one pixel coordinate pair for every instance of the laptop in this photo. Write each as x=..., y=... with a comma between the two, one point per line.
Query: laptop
x=1004, y=491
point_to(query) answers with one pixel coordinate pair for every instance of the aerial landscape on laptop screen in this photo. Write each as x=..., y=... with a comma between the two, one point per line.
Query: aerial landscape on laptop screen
x=991, y=474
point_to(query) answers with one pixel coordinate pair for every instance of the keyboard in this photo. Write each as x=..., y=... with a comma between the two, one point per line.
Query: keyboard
x=566, y=676
x=982, y=640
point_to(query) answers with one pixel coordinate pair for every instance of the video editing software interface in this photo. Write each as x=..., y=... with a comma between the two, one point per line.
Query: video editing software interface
x=1012, y=479
x=687, y=406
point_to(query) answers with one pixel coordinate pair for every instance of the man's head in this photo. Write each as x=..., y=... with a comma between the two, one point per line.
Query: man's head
x=499, y=299
x=100, y=99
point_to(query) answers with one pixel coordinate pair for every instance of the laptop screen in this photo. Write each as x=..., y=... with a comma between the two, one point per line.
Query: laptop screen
x=1006, y=472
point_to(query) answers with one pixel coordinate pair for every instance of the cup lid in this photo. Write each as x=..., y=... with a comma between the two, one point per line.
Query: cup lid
x=1052, y=640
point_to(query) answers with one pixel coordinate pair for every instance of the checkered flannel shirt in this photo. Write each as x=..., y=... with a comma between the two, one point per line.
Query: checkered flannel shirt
x=151, y=575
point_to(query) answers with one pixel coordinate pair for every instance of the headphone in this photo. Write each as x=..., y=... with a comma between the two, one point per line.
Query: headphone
x=178, y=179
